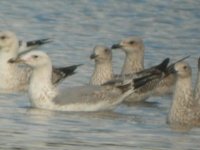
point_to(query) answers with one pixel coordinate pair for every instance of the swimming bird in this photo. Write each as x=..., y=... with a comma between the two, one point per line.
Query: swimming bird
x=14, y=78
x=103, y=72
x=184, y=109
x=43, y=94
x=134, y=62
x=28, y=45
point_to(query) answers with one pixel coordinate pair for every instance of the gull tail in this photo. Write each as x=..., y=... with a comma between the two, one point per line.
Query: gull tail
x=135, y=86
x=37, y=43
x=61, y=73
x=141, y=82
x=149, y=80
x=146, y=79
x=160, y=67
x=170, y=68
x=163, y=65
x=30, y=45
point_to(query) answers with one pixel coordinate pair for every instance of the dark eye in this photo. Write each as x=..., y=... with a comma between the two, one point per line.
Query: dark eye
x=106, y=50
x=185, y=67
x=35, y=56
x=3, y=37
x=132, y=42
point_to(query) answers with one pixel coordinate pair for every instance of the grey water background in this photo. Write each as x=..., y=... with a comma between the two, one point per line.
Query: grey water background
x=169, y=29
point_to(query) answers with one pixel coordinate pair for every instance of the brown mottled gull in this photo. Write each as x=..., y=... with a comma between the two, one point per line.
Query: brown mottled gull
x=103, y=72
x=184, y=109
x=134, y=62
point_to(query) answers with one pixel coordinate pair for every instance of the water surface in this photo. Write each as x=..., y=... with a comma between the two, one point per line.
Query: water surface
x=169, y=29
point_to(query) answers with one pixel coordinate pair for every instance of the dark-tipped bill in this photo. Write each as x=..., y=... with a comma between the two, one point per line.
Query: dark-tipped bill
x=116, y=46
x=15, y=60
x=93, y=56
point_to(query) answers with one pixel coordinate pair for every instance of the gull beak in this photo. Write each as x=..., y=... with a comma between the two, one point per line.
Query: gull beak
x=15, y=60
x=93, y=56
x=116, y=46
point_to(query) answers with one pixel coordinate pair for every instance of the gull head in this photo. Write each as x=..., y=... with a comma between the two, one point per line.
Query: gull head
x=34, y=59
x=8, y=41
x=130, y=45
x=101, y=54
x=183, y=69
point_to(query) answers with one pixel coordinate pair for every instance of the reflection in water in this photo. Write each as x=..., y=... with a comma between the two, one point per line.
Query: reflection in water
x=168, y=29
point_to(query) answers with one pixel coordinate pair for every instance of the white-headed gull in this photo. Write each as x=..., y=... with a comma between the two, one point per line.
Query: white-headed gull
x=13, y=77
x=43, y=94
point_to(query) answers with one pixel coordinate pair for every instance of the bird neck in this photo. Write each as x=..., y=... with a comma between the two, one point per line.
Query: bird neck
x=41, y=89
x=102, y=73
x=183, y=100
x=6, y=54
x=133, y=63
x=6, y=67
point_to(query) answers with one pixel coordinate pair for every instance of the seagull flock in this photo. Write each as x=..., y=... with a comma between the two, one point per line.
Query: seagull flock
x=28, y=70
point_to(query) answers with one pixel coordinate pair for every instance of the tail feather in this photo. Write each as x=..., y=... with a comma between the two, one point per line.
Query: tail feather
x=149, y=82
x=145, y=83
x=171, y=66
x=160, y=67
x=38, y=42
x=61, y=73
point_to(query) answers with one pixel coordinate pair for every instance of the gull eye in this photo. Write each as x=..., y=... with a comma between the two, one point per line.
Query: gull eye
x=132, y=42
x=184, y=67
x=106, y=50
x=35, y=56
x=3, y=37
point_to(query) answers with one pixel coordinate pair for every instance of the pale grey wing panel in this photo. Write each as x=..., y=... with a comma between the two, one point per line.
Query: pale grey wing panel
x=81, y=94
x=87, y=94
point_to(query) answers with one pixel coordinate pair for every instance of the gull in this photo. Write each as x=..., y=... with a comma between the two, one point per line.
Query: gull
x=43, y=94
x=134, y=62
x=14, y=78
x=103, y=72
x=184, y=109
x=28, y=45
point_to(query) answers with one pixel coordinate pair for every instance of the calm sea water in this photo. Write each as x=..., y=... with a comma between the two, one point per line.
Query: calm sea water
x=169, y=29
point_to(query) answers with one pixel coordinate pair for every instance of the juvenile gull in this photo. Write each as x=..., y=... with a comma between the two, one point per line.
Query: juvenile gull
x=184, y=109
x=134, y=62
x=83, y=98
x=28, y=45
x=13, y=77
x=103, y=72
